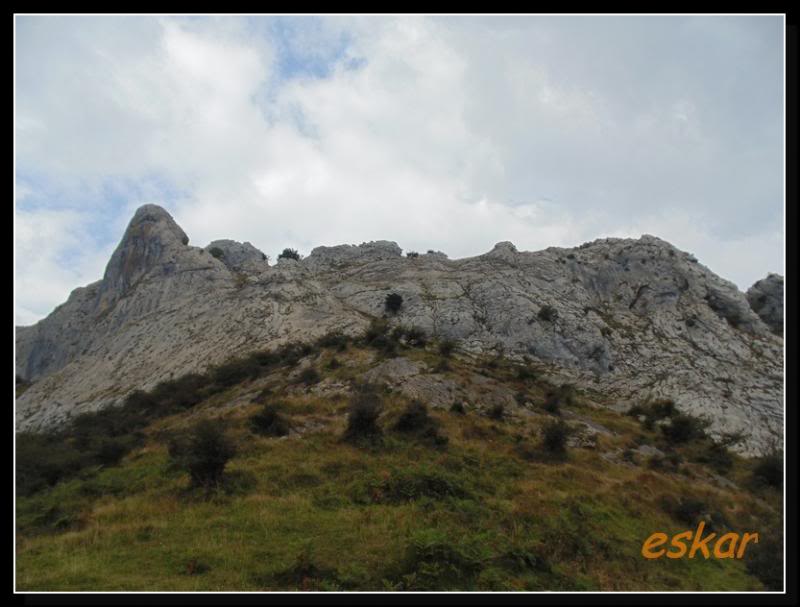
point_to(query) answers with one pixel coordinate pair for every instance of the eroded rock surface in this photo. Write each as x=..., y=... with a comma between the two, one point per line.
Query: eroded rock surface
x=766, y=299
x=636, y=319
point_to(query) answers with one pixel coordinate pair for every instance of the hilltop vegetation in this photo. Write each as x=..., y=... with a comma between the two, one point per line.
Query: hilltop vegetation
x=311, y=477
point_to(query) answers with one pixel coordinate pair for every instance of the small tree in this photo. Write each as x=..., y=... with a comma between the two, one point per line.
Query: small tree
x=269, y=422
x=447, y=347
x=554, y=439
x=362, y=418
x=548, y=313
x=289, y=254
x=204, y=454
x=393, y=303
x=769, y=469
x=216, y=252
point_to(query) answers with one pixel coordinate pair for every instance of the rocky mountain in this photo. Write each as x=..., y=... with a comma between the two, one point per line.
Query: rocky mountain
x=635, y=319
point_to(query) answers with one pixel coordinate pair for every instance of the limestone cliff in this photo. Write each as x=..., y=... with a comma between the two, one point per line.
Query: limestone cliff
x=634, y=318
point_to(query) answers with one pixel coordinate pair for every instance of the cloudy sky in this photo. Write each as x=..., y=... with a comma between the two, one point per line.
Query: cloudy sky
x=446, y=133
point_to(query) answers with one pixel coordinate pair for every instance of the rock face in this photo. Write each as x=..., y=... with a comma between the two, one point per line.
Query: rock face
x=635, y=319
x=766, y=299
x=237, y=256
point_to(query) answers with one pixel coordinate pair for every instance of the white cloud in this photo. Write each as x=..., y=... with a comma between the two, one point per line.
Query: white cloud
x=449, y=134
x=53, y=257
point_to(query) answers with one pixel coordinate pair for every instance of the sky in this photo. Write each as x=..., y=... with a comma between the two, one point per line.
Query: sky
x=449, y=133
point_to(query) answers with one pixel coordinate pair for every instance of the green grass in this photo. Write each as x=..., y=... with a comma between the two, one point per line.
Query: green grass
x=311, y=512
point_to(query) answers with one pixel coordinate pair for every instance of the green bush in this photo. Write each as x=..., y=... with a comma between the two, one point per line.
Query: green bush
x=554, y=437
x=412, y=254
x=716, y=456
x=447, y=347
x=435, y=561
x=497, y=412
x=548, y=313
x=393, y=303
x=182, y=393
x=269, y=422
x=235, y=371
x=42, y=460
x=409, y=485
x=415, y=420
x=289, y=254
x=216, y=252
x=365, y=408
x=376, y=336
x=526, y=373
x=764, y=560
x=309, y=376
x=769, y=470
x=552, y=403
x=335, y=339
x=458, y=407
x=683, y=428
x=204, y=453
x=416, y=337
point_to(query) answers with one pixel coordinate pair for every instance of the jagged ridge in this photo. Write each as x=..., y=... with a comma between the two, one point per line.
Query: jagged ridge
x=635, y=318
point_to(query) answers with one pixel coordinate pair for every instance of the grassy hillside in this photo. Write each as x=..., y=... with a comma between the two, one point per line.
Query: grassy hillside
x=472, y=497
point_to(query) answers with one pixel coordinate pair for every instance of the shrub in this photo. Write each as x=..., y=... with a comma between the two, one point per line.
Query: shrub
x=334, y=339
x=717, y=456
x=235, y=371
x=567, y=393
x=415, y=420
x=309, y=376
x=362, y=418
x=181, y=393
x=686, y=510
x=663, y=408
x=42, y=460
x=548, y=313
x=447, y=347
x=526, y=373
x=289, y=254
x=668, y=463
x=393, y=303
x=458, y=407
x=683, y=428
x=412, y=254
x=554, y=437
x=334, y=363
x=416, y=337
x=204, y=454
x=435, y=561
x=497, y=412
x=635, y=411
x=269, y=422
x=376, y=336
x=765, y=561
x=769, y=470
x=442, y=366
x=409, y=485
x=553, y=403
x=216, y=252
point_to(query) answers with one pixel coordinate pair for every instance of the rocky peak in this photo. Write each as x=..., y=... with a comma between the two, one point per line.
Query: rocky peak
x=766, y=299
x=634, y=318
x=237, y=256
x=151, y=239
x=368, y=251
x=503, y=250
